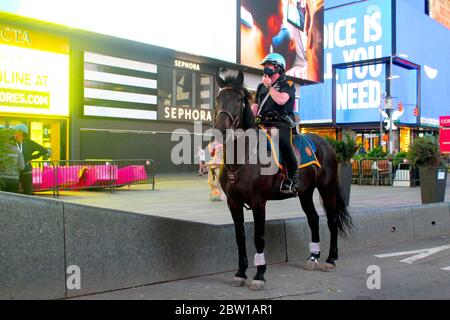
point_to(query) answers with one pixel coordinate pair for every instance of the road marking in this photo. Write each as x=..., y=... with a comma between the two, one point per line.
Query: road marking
x=418, y=254
x=446, y=268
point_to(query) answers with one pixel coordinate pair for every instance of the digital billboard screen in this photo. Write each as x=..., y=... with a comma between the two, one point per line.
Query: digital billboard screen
x=202, y=27
x=358, y=32
x=425, y=44
x=293, y=28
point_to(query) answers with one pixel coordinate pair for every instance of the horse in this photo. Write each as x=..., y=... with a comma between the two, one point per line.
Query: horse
x=245, y=186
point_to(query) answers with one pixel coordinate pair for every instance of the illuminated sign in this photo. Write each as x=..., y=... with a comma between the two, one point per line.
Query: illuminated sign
x=184, y=114
x=187, y=65
x=33, y=81
x=444, y=121
x=9, y=34
x=444, y=134
x=201, y=27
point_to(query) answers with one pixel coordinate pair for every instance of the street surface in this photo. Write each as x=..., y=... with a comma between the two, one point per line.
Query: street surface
x=424, y=275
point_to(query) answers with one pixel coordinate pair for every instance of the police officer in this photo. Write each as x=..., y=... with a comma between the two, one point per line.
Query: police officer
x=30, y=150
x=274, y=106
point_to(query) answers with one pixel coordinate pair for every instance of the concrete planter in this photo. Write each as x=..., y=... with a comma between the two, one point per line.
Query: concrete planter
x=345, y=180
x=432, y=184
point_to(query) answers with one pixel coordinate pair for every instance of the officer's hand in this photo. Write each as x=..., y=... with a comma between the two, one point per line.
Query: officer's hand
x=267, y=82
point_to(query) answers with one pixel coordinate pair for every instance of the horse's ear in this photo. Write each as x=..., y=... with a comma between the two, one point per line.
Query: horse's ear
x=220, y=81
x=240, y=78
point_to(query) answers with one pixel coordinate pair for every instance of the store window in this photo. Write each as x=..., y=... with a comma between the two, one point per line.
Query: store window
x=183, y=87
x=203, y=91
x=165, y=86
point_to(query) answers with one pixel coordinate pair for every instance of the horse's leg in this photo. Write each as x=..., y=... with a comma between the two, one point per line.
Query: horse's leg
x=307, y=203
x=237, y=214
x=328, y=195
x=259, y=217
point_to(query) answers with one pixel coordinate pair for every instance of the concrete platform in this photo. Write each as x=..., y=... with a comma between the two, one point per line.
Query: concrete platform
x=185, y=197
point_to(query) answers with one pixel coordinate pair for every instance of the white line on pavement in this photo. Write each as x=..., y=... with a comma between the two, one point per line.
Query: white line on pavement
x=421, y=254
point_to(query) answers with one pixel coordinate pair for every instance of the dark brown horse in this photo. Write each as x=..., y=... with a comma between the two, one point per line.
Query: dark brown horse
x=244, y=185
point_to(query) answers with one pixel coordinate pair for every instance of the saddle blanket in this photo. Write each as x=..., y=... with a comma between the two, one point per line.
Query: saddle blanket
x=304, y=149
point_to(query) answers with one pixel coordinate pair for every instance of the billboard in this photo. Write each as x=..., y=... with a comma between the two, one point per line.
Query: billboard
x=293, y=28
x=358, y=32
x=201, y=27
x=33, y=80
x=425, y=45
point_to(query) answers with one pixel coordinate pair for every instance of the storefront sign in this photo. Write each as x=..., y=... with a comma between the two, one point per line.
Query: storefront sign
x=184, y=114
x=444, y=134
x=33, y=81
x=187, y=65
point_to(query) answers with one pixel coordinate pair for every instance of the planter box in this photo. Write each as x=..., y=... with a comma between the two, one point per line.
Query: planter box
x=432, y=184
x=345, y=180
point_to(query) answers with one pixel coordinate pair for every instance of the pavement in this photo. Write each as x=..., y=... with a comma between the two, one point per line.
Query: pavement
x=185, y=197
x=425, y=276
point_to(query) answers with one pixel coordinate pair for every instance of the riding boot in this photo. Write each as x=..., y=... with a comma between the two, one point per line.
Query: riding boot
x=290, y=185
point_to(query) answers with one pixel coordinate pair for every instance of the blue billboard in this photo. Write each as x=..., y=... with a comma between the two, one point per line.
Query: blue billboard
x=426, y=43
x=358, y=32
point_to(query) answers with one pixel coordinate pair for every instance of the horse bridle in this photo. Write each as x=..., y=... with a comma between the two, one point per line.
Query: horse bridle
x=235, y=120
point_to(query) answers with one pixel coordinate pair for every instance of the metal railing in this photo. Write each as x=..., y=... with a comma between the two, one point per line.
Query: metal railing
x=383, y=171
x=91, y=174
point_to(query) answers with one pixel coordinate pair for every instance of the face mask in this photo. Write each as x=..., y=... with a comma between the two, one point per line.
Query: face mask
x=268, y=71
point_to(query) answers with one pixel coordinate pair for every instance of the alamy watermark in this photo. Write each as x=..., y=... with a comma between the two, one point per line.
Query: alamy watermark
x=249, y=146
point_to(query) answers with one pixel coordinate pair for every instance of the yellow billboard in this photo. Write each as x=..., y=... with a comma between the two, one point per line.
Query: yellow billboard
x=33, y=81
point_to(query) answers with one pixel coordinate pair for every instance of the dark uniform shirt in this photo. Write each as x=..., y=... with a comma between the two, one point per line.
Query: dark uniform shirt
x=31, y=150
x=270, y=106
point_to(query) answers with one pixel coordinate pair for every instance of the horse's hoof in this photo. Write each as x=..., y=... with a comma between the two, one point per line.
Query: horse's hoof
x=327, y=267
x=238, y=282
x=312, y=265
x=257, y=285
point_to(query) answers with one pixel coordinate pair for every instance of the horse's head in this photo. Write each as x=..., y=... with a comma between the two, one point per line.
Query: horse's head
x=233, y=105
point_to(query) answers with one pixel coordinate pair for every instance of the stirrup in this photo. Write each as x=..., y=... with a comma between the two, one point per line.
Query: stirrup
x=291, y=190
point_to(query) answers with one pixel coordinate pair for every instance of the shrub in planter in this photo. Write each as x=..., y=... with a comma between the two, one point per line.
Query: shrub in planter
x=424, y=154
x=345, y=150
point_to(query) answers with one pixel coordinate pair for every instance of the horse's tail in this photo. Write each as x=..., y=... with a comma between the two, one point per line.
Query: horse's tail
x=343, y=219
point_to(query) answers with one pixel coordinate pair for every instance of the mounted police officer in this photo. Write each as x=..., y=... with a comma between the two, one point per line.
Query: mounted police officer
x=274, y=106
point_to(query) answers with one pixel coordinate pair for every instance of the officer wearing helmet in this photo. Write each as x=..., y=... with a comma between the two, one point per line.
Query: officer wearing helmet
x=274, y=107
x=30, y=150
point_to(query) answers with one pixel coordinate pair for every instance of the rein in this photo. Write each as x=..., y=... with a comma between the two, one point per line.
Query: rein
x=232, y=175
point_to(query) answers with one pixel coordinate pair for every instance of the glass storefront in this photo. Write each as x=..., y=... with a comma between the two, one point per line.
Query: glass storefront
x=50, y=133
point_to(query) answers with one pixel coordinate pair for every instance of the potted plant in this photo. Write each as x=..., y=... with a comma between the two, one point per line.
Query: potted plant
x=345, y=150
x=424, y=154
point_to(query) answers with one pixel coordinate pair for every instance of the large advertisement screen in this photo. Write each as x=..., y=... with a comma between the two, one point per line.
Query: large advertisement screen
x=34, y=72
x=293, y=28
x=201, y=27
x=426, y=44
x=358, y=32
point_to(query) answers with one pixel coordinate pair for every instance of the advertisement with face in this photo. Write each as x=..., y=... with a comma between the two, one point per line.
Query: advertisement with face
x=292, y=28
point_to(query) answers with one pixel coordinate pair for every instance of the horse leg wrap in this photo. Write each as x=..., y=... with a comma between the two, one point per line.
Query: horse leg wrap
x=314, y=247
x=259, y=259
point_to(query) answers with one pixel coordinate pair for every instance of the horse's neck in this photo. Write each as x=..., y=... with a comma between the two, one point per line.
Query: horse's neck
x=240, y=152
